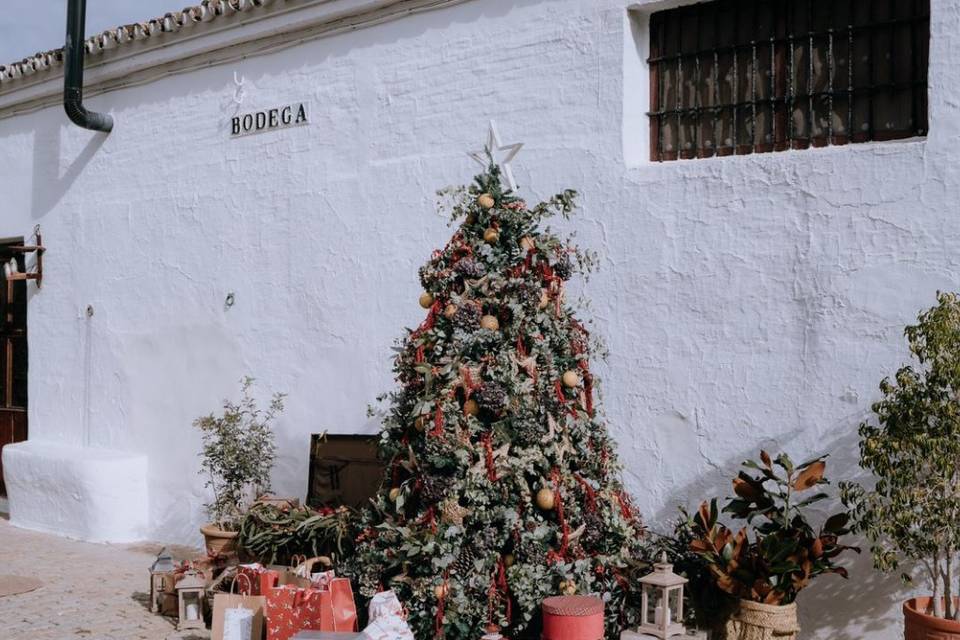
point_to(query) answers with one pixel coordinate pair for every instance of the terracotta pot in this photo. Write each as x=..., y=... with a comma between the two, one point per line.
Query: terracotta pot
x=757, y=621
x=918, y=625
x=218, y=541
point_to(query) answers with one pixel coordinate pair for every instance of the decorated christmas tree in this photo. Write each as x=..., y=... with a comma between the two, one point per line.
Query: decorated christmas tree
x=502, y=486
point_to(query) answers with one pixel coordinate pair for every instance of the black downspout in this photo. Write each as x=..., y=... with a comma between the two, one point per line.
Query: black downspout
x=73, y=72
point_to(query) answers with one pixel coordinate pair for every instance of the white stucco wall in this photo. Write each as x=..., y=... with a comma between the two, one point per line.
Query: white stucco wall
x=746, y=301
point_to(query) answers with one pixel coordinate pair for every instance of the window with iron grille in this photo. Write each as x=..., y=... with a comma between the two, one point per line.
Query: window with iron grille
x=749, y=76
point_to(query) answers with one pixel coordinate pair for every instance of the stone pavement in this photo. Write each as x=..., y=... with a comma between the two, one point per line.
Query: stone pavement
x=90, y=591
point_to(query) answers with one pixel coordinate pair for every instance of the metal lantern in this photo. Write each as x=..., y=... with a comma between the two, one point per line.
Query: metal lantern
x=191, y=594
x=661, y=613
x=160, y=571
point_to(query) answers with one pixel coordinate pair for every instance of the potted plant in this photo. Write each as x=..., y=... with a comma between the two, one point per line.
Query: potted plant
x=767, y=570
x=913, y=450
x=238, y=453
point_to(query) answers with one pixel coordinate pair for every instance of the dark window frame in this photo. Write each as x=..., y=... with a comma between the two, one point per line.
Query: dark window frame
x=766, y=100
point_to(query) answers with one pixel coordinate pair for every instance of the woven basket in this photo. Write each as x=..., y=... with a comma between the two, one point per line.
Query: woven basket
x=757, y=621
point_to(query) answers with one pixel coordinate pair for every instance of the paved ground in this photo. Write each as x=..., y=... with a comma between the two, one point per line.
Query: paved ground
x=91, y=591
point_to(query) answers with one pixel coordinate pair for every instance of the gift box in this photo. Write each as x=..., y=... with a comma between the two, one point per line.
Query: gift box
x=388, y=620
x=572, y=618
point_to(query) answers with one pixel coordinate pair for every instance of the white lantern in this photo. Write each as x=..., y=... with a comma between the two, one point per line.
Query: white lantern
x=191, y=592
x=661, y=596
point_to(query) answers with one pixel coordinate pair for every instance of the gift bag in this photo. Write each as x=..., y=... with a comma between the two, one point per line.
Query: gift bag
x=296, y=605
x=305, y=568
x=237, y=617
x=259, y=578
x=388, y=620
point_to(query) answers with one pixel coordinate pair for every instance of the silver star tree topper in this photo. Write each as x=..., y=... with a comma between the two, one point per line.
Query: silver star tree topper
x=498, y=153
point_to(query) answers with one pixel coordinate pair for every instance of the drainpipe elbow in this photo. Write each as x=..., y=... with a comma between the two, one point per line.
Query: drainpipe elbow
x=80, y=116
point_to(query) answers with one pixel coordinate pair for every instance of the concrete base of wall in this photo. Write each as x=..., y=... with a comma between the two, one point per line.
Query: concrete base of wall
x=90, y=494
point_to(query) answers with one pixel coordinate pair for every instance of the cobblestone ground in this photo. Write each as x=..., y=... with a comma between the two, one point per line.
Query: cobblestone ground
x=90, y=591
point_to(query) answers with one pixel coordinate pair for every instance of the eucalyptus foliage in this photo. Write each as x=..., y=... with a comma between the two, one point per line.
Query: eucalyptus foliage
x=913, y=449
x=276, y=534
x=238, y=453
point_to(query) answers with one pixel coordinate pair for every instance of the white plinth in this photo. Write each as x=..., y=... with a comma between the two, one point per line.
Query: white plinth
x=689, y=635
x=90, y=494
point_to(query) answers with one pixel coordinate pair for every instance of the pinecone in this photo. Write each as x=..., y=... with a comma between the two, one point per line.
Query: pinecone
x=434, y=489
x=463, y=565
x=531, y=550
x=426, y=276
x=593, y=532
x=467, y=316
x=491, y=397
x=470, y=268
x=563, y=269
x=527, y=430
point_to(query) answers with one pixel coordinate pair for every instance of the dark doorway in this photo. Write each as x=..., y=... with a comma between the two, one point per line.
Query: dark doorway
x=13, y=353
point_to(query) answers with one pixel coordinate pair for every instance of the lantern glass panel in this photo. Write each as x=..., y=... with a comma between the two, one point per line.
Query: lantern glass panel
x=675, y=600
x=653, y=601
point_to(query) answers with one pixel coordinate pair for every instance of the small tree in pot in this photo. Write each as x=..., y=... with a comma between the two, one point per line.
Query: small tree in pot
x=238, y=454
x=914, y=451
x=766, y=573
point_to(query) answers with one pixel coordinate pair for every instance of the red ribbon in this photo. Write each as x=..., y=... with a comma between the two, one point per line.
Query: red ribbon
x=430, y=320
x=590, y=493
x=437, y=422
x=558, y=389
x=521, y=347
x=488, y=449
x=588, y=391
x=441, y=602
x=430, y=519
x=502, y=584
x=564, y=528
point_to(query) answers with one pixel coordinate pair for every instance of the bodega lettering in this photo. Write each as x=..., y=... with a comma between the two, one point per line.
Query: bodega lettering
x=291, y=115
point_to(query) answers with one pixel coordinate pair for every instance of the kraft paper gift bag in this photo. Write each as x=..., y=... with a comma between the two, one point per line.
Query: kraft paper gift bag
x=239, y=623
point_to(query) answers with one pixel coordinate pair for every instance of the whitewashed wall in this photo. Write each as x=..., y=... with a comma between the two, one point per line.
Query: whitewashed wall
x=747, y=301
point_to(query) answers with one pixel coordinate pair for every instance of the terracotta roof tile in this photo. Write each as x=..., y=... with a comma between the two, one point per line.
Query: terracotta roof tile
x=206, y=11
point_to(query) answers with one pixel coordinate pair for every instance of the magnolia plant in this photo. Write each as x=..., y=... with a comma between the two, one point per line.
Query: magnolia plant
x=238, y=453
x=913, y=449
x=785, y=552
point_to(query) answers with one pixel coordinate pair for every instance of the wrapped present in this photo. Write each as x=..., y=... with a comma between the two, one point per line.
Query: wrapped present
x=388, y=620
x=294, y=605
x=572, y=618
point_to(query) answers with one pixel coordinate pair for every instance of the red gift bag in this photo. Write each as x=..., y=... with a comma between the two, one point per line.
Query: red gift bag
x=293, y=607
x=259, y=579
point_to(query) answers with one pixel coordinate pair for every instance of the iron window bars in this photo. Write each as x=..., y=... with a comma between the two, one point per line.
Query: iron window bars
x=751, y=76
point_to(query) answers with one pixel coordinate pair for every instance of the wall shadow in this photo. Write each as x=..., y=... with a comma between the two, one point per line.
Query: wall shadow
x=869, y=601
x=48, y=186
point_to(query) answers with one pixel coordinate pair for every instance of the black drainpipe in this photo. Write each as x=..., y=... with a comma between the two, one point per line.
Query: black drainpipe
x=73, y=72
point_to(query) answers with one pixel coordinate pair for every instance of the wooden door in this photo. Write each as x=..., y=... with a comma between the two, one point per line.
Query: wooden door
x=13, y=356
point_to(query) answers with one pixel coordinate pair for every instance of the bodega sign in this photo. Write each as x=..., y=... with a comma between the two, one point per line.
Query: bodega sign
x=292, y=115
